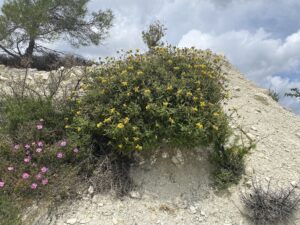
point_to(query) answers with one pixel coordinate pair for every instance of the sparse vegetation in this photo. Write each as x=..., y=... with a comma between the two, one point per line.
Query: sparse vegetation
x=229, y=164
x=274, y=95
x=270, y=205
x=153, y=36
x=9, y=210
x=294, y=93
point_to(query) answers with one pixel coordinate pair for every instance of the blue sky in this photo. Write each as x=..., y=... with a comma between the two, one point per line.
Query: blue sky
x=260, y=37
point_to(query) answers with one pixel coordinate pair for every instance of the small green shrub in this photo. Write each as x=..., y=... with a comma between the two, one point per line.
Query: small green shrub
x=138, y=101
x=274, y=95
x=26, y=169
x=228, y=164
x=9, y=211
x=20, y=113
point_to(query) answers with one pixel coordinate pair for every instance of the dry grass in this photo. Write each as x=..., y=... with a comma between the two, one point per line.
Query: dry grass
x=270, y=205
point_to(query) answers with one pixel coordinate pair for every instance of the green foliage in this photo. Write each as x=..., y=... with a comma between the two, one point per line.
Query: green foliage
x=23, y=22
x=139, y=101
x=9, y=212
x=152, y=37
x=21, y=113
x=228, y=164
x=29, y=168
x=274, y=95
x=294, y=93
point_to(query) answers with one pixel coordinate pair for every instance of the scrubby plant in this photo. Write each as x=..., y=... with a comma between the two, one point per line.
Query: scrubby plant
x=21, y=113
x=153, y=36
x=270, y=205
x=9, y=211
x=169, y=96
x=229, y=164
x=295, y=92
x=32, y=166
x=141, y=100
x=274, y=95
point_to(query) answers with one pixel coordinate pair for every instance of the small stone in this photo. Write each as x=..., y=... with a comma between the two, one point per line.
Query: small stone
x=202, y=213
x=91, y=190
x=100, y=204
x=251, y=136
x=193, y=209
x=237, y=88
x=107, y=213
x=115, y=221
x=178, y=158
x=165, y=155
x=84, y=221
x=175, y=160
x=294, y=183
x=135, y=195
x=298, y=135
x=253, y=128
x=71, y=221
x=3, y=78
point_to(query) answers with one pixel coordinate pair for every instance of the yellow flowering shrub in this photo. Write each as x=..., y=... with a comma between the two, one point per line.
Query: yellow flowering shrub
x=138, y=101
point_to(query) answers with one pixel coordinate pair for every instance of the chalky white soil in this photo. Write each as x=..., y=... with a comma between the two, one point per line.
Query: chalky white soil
x=175, y=186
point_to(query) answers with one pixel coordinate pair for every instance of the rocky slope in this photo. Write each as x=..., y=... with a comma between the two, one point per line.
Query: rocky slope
x=175, y=186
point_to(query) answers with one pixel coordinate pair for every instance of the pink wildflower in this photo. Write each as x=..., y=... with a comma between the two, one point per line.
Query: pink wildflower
x=10, y=168
x=45, y=181
x=39, y=126
x=2, y=183
x=34, y=186
x=63, y=143
x=27, y=160
x=17, y=147
x=44, y=169
x=27, y=146
x=75, y=150
x=60, y=155
x=38, y=176
x=40, y=144
x=25, y=176
x=39, y=150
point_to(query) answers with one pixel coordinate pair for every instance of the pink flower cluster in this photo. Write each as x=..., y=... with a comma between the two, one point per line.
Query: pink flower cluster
x=31, y=172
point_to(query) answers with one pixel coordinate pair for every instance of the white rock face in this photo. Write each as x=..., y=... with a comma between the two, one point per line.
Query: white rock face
x=172, y=190
x=71, y=221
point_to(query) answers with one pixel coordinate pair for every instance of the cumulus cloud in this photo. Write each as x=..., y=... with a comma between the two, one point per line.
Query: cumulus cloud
x=262, y=58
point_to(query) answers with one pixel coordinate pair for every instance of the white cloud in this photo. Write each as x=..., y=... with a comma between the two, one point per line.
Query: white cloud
x=261, y=57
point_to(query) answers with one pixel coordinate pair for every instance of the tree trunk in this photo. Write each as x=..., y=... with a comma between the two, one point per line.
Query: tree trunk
x=29, y=50
x=26, y=60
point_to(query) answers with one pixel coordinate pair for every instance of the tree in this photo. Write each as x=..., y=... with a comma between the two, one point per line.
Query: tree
x=26, y=23
x=152, y=37
x=295, y=92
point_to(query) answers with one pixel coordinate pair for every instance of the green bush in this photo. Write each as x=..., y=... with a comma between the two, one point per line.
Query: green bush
x=138, y=101
x=9, y=211
x=27, y=169
x=274, y=95
x=20, y=113
x=228, y=164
